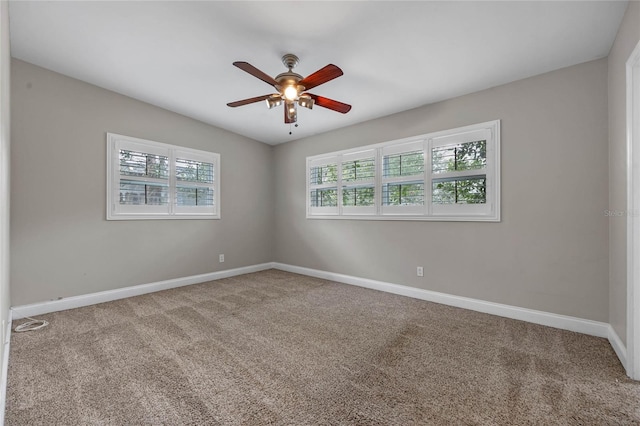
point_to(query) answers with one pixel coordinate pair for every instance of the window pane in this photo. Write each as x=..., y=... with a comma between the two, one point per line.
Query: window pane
x=405, y=164
x=358, y=196
x=460, y=191
x=324, y=197
x=140, y=193
x=358, y=170
x=324, y=174
x=403, y=194
x=194, y=171
x=465, y=156
x=134, y=163
x=191, y=196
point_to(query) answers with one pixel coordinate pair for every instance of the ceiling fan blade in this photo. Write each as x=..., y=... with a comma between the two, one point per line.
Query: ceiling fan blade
x=247, y=101
x=247, y=67
x=330, y=103
x=321, y=76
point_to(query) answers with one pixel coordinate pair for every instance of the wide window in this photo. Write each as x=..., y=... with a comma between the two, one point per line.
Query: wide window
x=152, y=180
x=448, y=175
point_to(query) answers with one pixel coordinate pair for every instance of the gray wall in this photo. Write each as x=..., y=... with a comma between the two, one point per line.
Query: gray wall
x=550, y=252
x=626, y=40
x=61, y=243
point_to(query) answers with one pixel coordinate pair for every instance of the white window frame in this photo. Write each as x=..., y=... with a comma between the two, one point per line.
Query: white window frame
x=430, y=211
x=117, y=211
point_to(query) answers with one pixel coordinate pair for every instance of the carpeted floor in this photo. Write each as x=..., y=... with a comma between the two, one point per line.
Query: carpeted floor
x=280, y=348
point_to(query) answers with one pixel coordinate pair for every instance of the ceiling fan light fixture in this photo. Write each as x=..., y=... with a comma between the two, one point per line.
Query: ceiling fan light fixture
x=291, y=93
x=292, y=113
x=273, y=101
x=306, y=101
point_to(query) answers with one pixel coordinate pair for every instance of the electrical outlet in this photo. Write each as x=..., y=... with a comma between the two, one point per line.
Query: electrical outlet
x=221, y=258
x=420, y=271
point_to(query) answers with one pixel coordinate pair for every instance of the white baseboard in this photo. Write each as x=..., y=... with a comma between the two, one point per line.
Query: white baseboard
x=618, y=346
x=121, y=293
x=5, y=368
x=579, y=325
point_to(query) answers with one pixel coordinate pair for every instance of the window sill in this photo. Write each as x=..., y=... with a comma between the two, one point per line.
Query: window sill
x=411, y=218
x=162, y=217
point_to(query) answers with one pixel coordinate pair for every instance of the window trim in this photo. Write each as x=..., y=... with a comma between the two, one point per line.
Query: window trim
x=487, y=212
x=149, y=212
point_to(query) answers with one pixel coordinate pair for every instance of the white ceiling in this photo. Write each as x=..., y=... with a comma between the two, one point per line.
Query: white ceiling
x=395, y=55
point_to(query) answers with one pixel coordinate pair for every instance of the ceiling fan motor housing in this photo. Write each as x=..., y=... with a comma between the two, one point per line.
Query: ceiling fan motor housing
x=289, y=79
x=290, y=61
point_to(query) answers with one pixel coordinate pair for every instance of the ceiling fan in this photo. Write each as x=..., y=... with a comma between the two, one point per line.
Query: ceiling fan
x=291, y=88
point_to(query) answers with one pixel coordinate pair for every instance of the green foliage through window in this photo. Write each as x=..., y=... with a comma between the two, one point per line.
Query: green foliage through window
x=138, y=193
x=403, y=194
x=327, y=197
x=358, y=170
x=464, y=156
x=358, y=196
x=405, y=164
x=324, y=174
x=194, y=171
x=468, y=190
x=194, y=196
x=134, y=163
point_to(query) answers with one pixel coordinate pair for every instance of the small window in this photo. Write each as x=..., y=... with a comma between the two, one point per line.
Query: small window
x=152, y=180
x=448, y=175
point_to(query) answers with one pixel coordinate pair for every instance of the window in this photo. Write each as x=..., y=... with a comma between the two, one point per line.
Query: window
x=152, y=180
x=448, y=175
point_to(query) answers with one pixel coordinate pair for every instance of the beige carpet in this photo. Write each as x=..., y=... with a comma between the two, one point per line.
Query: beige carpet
x=279, y=348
